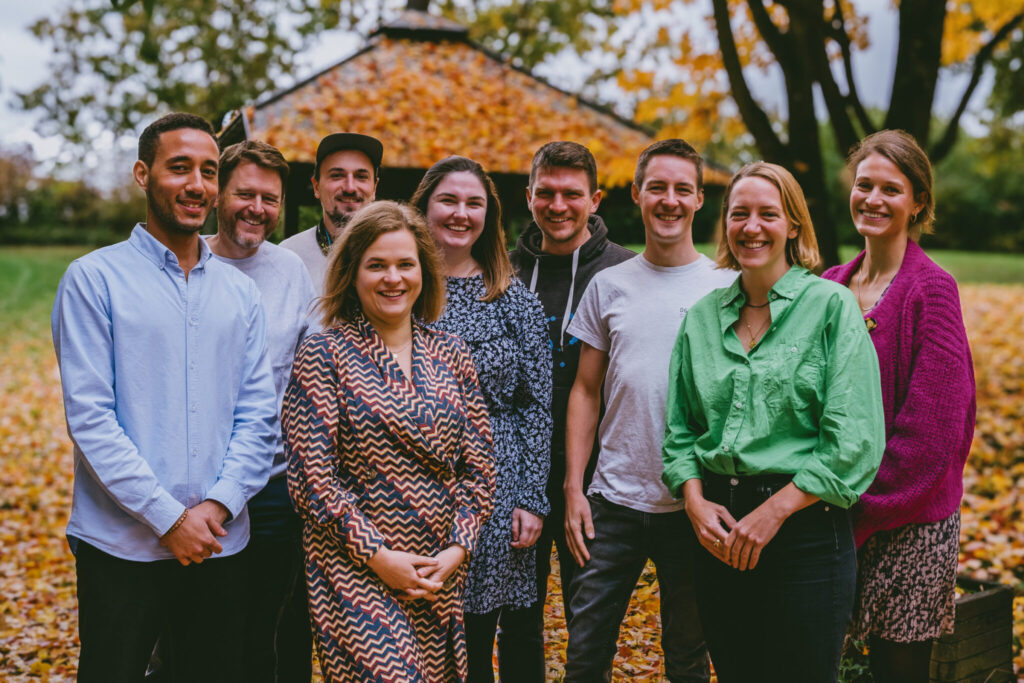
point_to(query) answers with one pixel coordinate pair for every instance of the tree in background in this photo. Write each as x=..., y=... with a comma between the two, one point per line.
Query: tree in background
x=116, y=63
x=683, y=66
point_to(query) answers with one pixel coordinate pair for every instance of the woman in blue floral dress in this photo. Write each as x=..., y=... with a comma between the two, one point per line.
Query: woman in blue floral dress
x=503, y=325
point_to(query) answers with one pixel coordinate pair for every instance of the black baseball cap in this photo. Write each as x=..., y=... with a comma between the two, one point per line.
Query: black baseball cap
x=335, y=142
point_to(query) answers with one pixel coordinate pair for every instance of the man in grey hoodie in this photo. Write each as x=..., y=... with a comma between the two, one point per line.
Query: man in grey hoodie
x=557, y=255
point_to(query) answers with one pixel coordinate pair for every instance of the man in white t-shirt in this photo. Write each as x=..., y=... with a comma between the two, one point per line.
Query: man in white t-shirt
x=628, y=321
x=277, y=636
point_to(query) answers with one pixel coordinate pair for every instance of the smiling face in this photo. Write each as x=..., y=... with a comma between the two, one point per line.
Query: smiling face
x=181, y=184
x=346, y=184
x=456, y=212
x=389, y=279
x=882, y=199
x=249, y=206
x=757, y=228
x=668, y=199
x=561, y=203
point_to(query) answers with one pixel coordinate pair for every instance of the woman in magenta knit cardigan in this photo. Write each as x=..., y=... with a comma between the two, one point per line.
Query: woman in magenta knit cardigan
x=907, y=524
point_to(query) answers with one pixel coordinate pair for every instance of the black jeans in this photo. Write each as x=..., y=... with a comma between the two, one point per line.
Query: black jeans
x=521, y=631
x=784, y=620
x=278, y=636
x=624, y=539
x=123, y=606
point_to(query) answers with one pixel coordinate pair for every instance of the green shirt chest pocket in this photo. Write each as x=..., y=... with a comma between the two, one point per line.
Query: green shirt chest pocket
x=793, y=377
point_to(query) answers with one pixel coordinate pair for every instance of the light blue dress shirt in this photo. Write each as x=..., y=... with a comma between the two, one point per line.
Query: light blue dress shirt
x=168, y=393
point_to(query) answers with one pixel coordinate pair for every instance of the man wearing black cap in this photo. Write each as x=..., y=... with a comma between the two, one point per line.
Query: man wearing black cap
x=344, y=180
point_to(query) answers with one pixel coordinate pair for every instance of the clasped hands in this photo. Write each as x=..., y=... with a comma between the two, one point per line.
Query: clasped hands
x=737, y=544
x=195, y=539
x=416, y=576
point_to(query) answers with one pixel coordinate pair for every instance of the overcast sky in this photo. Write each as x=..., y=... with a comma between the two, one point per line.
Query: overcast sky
x=23, y=65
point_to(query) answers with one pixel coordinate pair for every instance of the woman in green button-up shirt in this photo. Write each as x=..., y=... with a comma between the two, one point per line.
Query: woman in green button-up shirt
x=774, y=429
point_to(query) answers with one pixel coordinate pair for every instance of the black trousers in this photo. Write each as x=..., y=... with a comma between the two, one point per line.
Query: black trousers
x=278, y=637
x=124, y=606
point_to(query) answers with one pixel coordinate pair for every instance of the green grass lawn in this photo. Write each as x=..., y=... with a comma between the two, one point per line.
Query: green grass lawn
x=29, y=277
x=966, y=266
x=28, y=282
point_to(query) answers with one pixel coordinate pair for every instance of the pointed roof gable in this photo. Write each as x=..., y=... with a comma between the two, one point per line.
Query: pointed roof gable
x=426, y=91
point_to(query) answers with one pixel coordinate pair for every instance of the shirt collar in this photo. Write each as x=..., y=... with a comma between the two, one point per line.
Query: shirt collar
x=787, y=287
x=155, y=250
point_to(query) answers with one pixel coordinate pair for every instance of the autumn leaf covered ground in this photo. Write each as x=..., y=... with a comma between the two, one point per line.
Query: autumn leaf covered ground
x=38, y=618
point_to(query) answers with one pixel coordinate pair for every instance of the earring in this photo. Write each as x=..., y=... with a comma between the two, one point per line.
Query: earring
x=913, y=219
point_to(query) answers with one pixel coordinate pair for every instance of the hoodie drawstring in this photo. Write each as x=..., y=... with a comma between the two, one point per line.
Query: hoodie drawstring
x=572, y=289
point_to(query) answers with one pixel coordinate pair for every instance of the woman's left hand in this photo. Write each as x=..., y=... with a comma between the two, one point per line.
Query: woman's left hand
x=526, y=528
x=448, y=560
x=751, y=534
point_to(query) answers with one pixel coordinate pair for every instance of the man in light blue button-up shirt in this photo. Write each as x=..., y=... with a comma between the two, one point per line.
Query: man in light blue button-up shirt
x=171, y=406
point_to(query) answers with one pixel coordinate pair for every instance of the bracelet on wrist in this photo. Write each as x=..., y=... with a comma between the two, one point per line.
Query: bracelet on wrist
x=174, y=527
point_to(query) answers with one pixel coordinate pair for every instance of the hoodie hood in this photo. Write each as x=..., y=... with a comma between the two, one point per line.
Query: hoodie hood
x=528, y=244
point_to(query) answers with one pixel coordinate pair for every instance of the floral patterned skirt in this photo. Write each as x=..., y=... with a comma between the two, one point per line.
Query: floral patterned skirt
x=905, y=582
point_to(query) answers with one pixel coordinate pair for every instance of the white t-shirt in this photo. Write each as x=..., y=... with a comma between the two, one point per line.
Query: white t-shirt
x=287, y=294
x=305, y=245
x=632, y=311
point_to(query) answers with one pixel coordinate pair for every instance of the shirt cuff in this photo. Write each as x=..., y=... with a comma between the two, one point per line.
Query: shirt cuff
x=161, y=515
x=229, y=495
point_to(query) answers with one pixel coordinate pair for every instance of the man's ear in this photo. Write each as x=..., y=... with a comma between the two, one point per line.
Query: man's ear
x=595, y=200
x=140, y=172
x=634, y=192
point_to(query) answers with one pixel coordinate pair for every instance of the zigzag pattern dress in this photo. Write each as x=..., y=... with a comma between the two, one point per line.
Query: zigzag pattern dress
x=376, y=460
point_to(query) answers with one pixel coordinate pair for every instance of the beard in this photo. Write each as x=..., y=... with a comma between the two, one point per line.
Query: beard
x=228, y=227
x=162, y=212
x=338, y=220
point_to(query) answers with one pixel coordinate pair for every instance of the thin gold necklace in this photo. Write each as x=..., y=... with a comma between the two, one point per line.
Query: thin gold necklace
x=755, y=337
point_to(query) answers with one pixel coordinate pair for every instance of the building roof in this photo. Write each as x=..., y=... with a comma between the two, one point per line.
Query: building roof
x=426, y=91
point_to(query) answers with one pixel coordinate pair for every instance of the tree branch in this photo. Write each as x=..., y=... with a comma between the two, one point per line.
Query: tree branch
x=753, y=116
x=948, y=139
x=780, y=44
x=842, y=38
x=815, y=47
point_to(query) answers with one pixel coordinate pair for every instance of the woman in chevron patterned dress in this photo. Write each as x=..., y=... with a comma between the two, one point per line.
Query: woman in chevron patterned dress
x=504, y=326
x=389, y=460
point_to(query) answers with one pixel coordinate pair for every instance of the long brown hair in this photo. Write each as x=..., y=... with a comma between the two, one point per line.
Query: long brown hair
x=340, y=300
x=489, y=250
x=900, y=147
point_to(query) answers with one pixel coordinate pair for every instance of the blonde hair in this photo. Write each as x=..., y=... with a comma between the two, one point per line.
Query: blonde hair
x=801, y=250
x=340, y=300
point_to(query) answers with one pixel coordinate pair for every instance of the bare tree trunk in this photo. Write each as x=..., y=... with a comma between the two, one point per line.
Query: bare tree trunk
x=420, y=5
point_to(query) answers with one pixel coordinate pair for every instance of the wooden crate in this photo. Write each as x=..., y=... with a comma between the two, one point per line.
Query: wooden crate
x=980, y=649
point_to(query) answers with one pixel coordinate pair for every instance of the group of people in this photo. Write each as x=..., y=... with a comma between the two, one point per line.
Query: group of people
x=370, y=436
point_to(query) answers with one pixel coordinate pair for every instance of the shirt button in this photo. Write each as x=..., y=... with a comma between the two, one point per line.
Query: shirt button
x=774, y=296
x=193, y=407
x=793, y=350
x=739, y=404
x=725, y=449
x=195, y=452
x=734, y=482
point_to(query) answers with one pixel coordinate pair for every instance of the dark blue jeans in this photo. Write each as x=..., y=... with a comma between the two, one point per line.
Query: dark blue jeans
x=784, y=620
x=624, y=539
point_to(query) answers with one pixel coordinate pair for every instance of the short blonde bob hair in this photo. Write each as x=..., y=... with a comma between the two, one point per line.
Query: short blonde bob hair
x=802, y=250
x=340, y=300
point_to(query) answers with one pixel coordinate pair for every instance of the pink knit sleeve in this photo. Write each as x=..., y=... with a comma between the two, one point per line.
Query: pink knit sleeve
x=921, y=476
